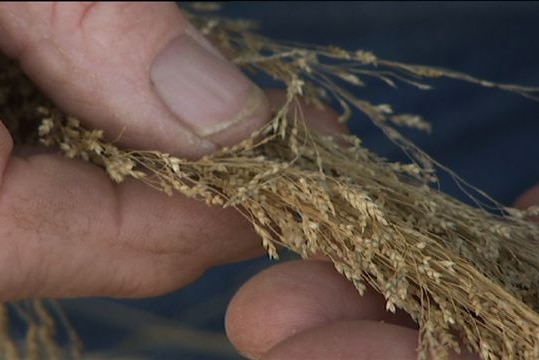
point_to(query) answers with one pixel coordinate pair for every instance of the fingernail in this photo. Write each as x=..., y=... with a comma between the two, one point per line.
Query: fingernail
x=206, y=92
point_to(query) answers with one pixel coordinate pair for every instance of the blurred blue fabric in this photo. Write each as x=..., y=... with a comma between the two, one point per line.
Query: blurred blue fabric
x=487, y=136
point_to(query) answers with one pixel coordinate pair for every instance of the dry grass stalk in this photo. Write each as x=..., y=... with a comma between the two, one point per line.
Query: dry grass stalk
x=466, y=275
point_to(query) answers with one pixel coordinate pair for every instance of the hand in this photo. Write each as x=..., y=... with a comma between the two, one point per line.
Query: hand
x=143, y=71
x=140, y=70
x=306, y=310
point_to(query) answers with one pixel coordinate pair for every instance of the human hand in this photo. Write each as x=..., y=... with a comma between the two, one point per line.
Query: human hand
x=309, y=311
x=142, y=71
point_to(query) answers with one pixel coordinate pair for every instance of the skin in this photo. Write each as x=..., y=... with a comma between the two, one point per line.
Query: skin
x=67, y=231
x=123, y=240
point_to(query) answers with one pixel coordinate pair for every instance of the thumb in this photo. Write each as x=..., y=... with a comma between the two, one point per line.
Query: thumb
x=136, y=69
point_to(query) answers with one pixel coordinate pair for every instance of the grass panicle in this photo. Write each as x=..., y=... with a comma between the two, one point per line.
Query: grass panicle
x=467, y=275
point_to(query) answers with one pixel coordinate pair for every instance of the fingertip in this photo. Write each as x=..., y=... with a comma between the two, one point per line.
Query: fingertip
x=291, y=298
x=138, y=70
x=358, y=340
x=355, y=340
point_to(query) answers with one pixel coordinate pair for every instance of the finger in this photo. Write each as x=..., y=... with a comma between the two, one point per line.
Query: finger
x=349, y=340
x=66, y=230
x=136, y=69
x=357, y=340
x=529, y=198
x=293, y=297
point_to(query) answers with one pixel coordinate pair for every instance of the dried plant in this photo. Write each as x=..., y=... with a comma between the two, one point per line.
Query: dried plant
x=468, y=276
